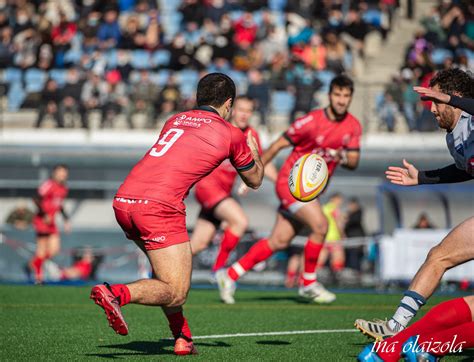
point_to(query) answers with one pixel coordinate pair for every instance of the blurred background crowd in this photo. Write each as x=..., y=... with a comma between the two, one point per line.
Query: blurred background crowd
x=69, y=58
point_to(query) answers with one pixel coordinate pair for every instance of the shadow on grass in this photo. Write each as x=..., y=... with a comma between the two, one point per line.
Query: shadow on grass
x=274, y=343
x=148, y=348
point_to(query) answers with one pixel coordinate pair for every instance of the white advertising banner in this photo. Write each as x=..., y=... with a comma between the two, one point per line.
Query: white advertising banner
x=404, y=252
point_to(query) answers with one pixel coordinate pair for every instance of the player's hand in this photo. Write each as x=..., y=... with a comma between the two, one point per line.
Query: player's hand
x=243, y=189
x=67, y=227
x=407, y=176
x=252, y=143
x=428, y=94
x=47, y=219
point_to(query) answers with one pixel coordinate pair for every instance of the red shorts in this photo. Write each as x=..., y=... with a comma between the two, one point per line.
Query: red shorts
x=44, y=229
x=287, y=200
x=157, y=225
x=209, y=197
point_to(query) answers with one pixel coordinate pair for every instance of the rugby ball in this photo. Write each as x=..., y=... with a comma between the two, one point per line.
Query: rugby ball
x=308, y=177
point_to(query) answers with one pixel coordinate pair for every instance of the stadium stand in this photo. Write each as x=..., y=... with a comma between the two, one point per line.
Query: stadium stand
x=40, y=41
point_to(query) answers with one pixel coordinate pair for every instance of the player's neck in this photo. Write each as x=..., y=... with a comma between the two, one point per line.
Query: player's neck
x=332, y=116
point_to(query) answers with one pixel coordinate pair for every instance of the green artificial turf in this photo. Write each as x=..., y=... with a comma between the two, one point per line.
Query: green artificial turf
x=62, y=323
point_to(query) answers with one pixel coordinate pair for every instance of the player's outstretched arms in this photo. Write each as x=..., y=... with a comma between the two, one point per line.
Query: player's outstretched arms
x=463, y=103
x=407, y=176
x=253, y=177
x=428, y=94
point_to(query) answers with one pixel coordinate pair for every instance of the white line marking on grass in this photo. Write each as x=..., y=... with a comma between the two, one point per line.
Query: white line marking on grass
x=282, y=333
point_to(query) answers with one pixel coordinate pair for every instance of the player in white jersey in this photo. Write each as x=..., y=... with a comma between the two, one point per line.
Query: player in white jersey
x=447, y=87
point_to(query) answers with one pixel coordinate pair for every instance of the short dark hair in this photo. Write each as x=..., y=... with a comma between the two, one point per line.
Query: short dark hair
x=244, y=97
x=214, y=89
x=60, y=165
x=341, y=81
x=454, y=80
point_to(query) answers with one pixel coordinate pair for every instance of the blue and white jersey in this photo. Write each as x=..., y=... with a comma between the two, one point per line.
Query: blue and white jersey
x=461, y=143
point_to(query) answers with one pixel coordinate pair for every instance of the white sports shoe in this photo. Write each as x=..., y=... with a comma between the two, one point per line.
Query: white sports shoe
x=377, y=329
x=226, y=286
x=317, y=293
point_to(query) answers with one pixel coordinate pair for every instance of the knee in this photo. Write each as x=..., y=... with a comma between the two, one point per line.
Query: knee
x=178, y=297
x=198, y=245
x=239, y=225
x=320, y=228
x=278, y=243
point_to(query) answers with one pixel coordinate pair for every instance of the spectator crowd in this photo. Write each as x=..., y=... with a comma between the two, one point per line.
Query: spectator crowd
x=445, y=40
x=146, y=56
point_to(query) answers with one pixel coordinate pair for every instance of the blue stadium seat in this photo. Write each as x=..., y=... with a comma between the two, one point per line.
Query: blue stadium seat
x=141, y=59
x=439, y=55
x=277, y=5
x=35, y=80
x=282, y=102
x=325, y=76
x=187, y=80
x=12, y=75
x=160, y=78
x=240, y=79
x=59, y=75
x=161, y=58
x=111, y=58
x=16, y=95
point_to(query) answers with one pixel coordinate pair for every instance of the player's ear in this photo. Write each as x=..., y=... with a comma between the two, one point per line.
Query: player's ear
x=228, y=104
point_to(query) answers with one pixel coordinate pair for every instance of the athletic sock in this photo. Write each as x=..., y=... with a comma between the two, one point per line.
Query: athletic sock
x=122, y=292
x=448, y=340
x=229, y=242
x=179, y=325
x=311, y=255
x=260, y=251
x=37, y=264
x=407, y=309
x=441, y=317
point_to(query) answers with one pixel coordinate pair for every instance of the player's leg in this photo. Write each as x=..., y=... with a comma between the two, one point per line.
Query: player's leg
x=443, y=317
x=233, y=215
x=338, y=257
x=36, y=263
x=280, y=238
x=203, y=233
x=455, y=249
x=53, y=246
x=312, y=215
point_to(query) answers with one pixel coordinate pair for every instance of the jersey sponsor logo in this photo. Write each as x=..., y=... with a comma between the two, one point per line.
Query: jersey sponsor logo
x=189, y=121
x=300, y=123
x=160, y=238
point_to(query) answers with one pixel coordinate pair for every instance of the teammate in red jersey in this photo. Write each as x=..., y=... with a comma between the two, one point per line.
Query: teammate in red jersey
x=149, y=204
x=335, y=135
x=214, y=193
x=49, y=201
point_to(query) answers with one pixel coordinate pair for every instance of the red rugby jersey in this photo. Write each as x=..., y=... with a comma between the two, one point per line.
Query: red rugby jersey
x=223, y=177
x=316, y=133
x=190, y=146
x=51, y=196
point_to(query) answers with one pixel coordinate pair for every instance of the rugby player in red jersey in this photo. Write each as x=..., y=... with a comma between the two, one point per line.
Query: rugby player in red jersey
x=49, y=200
x=333, y=133
x=214, y=193
x=149, y=204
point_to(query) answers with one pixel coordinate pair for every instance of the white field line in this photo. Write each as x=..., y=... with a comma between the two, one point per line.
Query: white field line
x=282, y=333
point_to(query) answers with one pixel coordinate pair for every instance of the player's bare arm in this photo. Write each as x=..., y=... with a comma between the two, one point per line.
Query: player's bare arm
x=253, y=177
x=350, y=159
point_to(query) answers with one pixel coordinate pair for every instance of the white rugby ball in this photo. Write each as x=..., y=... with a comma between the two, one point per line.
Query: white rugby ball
x=308, y=177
